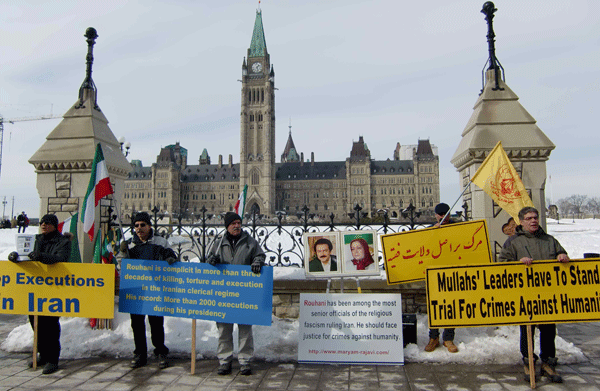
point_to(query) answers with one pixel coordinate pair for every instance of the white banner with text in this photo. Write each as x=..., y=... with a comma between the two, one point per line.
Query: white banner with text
x=350, y=328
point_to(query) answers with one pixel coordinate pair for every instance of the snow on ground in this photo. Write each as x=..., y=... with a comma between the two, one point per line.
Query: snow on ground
x=279, y=342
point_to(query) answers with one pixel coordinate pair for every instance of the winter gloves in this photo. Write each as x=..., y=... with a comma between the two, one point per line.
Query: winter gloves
x=213, y=259
x=256, y=265
x=124, y=249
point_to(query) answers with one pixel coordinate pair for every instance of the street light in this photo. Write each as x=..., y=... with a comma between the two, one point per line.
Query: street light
x=413, y=213
x=125, y=144
x=4, y=207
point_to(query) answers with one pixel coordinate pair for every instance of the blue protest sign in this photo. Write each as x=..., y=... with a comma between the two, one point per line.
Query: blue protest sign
x=223, y=293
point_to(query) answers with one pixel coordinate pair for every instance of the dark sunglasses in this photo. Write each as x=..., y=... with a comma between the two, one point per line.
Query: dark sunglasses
x=140, y=225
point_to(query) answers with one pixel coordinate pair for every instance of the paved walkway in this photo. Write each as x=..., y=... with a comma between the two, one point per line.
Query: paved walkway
x=114, y=374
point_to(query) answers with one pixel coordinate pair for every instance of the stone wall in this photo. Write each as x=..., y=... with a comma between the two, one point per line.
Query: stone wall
x=64, y=201
x=286, y=293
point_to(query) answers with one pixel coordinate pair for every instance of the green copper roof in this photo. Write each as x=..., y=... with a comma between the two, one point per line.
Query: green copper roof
x=258, y=46
x=204, y=154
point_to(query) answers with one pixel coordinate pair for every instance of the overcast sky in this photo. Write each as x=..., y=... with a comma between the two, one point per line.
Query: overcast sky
x=391, y=71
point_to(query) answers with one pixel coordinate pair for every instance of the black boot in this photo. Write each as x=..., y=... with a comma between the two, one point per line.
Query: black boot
x=139, y=360
x=162, y=361
x=548, y=369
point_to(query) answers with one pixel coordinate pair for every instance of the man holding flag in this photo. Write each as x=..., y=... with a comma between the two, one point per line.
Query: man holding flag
x=499, y=179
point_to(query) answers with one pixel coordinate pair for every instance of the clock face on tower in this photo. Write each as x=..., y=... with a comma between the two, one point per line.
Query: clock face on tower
x=256, y=67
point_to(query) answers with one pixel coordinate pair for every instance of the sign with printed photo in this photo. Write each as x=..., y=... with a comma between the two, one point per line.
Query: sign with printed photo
x=24, y=245
x=359, y=253
x=321, y=254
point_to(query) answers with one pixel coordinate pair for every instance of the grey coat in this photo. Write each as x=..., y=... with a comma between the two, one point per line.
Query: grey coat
x=538, y=246
x=245, y=252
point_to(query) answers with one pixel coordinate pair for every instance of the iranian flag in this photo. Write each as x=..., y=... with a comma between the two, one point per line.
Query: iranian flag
x=70, y=226
x=98, y=188
x=241, y=202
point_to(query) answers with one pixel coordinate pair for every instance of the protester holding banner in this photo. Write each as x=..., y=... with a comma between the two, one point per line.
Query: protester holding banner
x=236, y=247
x=50, y=247
x=532, y=243
x=441, y=210
x=145, y=245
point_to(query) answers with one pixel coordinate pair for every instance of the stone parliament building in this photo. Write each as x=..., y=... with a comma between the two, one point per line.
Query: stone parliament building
x=410, y=176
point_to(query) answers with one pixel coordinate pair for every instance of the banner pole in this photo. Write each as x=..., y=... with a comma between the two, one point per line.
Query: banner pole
x=531, y=362
x=35, y=340
x=193, y=370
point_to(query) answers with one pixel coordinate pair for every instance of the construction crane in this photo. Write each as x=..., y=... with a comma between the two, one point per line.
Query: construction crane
x=12, y=121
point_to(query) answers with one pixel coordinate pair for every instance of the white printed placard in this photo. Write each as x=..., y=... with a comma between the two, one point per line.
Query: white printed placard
x=350, y=328
x=24, y=244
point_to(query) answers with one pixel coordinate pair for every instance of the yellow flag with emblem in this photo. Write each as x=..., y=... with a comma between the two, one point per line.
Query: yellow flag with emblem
x=499, y=179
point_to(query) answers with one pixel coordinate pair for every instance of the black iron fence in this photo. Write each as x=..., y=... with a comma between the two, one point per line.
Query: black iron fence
x=192, y=236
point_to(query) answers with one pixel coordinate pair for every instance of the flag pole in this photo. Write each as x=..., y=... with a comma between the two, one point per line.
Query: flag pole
x=455, y=202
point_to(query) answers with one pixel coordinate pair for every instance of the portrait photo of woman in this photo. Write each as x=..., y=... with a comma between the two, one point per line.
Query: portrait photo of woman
x=360, y=253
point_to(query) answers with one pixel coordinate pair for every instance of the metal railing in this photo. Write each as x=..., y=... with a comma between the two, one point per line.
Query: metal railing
x=192, y=236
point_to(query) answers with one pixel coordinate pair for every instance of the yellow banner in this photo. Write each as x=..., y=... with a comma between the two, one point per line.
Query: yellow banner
x=514, y=294
x=63, y=289
x=408, y=254
x=499, y=179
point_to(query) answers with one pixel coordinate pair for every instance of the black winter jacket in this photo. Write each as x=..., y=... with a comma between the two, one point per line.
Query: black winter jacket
x=52, y=248
x=156, y=248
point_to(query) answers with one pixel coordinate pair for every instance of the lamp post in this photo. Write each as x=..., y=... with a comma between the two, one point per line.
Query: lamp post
x=411, y=214
x=125, y=144
x=4, y=207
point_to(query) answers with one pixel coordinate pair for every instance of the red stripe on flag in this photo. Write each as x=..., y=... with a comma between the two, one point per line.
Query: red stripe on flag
x=103, y=188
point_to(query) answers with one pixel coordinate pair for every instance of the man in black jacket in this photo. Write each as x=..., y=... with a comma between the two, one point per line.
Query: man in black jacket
x=145, y=245
x=50, y=247
x=443, y=217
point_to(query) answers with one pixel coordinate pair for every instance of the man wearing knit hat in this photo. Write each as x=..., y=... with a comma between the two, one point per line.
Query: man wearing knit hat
x=145, y=245
x=443, y=217
x=236, y=247
x=50, y=247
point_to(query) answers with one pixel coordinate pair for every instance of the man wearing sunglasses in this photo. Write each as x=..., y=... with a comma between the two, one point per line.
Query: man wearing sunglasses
x=145, y=245
x=530, y=243
x=50, y=247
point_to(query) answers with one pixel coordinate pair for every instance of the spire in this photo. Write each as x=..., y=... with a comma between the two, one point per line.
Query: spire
x=258, y=46
x=289, y=152
x=88, y=83
x=488, y=10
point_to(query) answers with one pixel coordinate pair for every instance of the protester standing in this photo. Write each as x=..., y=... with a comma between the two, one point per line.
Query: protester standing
x=434, y=334
x=50, y=247
x=530, y=243
x=146, y=245
x=238, y=248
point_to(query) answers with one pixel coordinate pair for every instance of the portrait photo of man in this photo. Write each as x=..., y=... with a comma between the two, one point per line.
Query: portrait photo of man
x=321, y=253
